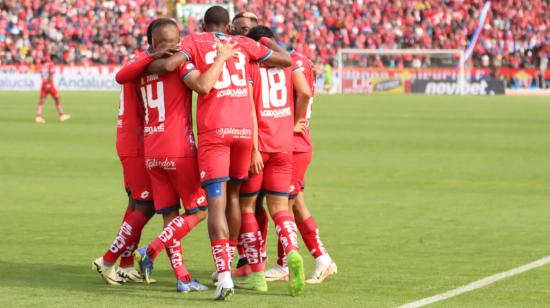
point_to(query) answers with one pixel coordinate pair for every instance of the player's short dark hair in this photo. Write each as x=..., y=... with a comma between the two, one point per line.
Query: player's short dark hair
x=159, y=22
x=216, y=16
x=258, y=32
x=248, y=15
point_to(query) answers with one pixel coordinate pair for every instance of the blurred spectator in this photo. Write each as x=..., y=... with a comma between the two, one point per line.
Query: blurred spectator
x=515, y=29
x=76, y=31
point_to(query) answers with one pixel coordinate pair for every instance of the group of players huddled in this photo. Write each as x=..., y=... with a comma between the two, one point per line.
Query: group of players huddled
x=253, y=109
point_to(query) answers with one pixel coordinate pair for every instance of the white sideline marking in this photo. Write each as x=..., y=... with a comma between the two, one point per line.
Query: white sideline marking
x=478, y=284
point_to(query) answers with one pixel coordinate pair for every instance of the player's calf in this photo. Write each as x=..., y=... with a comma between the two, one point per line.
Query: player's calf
x=324, y=265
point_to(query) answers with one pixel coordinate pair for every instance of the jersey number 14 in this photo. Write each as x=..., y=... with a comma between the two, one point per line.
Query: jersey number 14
x=150, y=102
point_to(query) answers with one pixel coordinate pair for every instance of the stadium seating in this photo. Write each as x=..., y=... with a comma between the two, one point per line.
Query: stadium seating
x=77, y=31
x=92, y=32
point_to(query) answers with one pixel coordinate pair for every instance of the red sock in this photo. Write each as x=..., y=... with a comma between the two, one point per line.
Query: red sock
x=240, y=248
x=177, y=229
x=286, y=230
x=231, y=252
x=59, y=107
x=220, y=254
x=310, y=235
x=263, y=223
x=129, y=230
x=251, y=237
x=280, y=254
x=39, y=110
x=128, y=212
x=127, y=258
x=175, y=255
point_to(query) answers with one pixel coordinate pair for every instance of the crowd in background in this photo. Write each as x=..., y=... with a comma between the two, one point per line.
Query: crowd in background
x=75, y=31
x=106, y=32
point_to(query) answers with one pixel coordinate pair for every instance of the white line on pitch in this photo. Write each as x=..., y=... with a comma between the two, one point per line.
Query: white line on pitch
x=478, y=284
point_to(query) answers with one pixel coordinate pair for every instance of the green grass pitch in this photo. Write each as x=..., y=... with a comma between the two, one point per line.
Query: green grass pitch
x=414, y=196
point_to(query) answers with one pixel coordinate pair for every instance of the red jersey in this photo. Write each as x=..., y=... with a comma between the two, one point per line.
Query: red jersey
x=274, y=101
x=47, y=72
x=302, y=142
x=228, y=103
x=168, y=125
x=129, y=133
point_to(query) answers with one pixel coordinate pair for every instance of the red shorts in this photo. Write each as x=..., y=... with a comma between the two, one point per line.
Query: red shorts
x=175, y=179
x=274, y=179
x=44, y=90
x=224, y=154
x=136, y=179
x=300, y=163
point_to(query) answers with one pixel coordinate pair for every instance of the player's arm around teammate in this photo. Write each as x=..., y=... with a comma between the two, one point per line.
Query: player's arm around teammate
x=203, y=83
x=135, y=67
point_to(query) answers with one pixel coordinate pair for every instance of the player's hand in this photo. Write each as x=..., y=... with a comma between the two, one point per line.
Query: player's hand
x=166, y=52
x=227, y=50
x=257, y=164
x=300, y=126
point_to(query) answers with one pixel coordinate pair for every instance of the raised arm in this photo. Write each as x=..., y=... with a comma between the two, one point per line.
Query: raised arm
x=279, y=56
x=166, y=65
x=132, y=70
x=303, y=95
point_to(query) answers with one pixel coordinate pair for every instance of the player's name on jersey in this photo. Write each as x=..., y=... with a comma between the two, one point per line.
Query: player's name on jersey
x=149, y=78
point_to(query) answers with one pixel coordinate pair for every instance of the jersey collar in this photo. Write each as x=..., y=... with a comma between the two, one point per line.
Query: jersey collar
x=220, y=35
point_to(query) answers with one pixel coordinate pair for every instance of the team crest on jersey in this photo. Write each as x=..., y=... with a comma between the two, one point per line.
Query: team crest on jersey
x=189, y=66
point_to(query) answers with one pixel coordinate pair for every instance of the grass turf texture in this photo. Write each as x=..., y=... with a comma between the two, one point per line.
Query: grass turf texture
x=414, y=196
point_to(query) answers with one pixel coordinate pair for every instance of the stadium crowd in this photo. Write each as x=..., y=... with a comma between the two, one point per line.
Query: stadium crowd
x=74, y=31
x=86, y=31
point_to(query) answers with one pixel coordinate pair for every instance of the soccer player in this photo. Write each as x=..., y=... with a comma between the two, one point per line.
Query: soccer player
x=130, y=149
x=225, y=121
x=48, y=87
x=170, y=151
x=241, y=25
x=324, y=265
x=273, y=89
x=243, y=22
